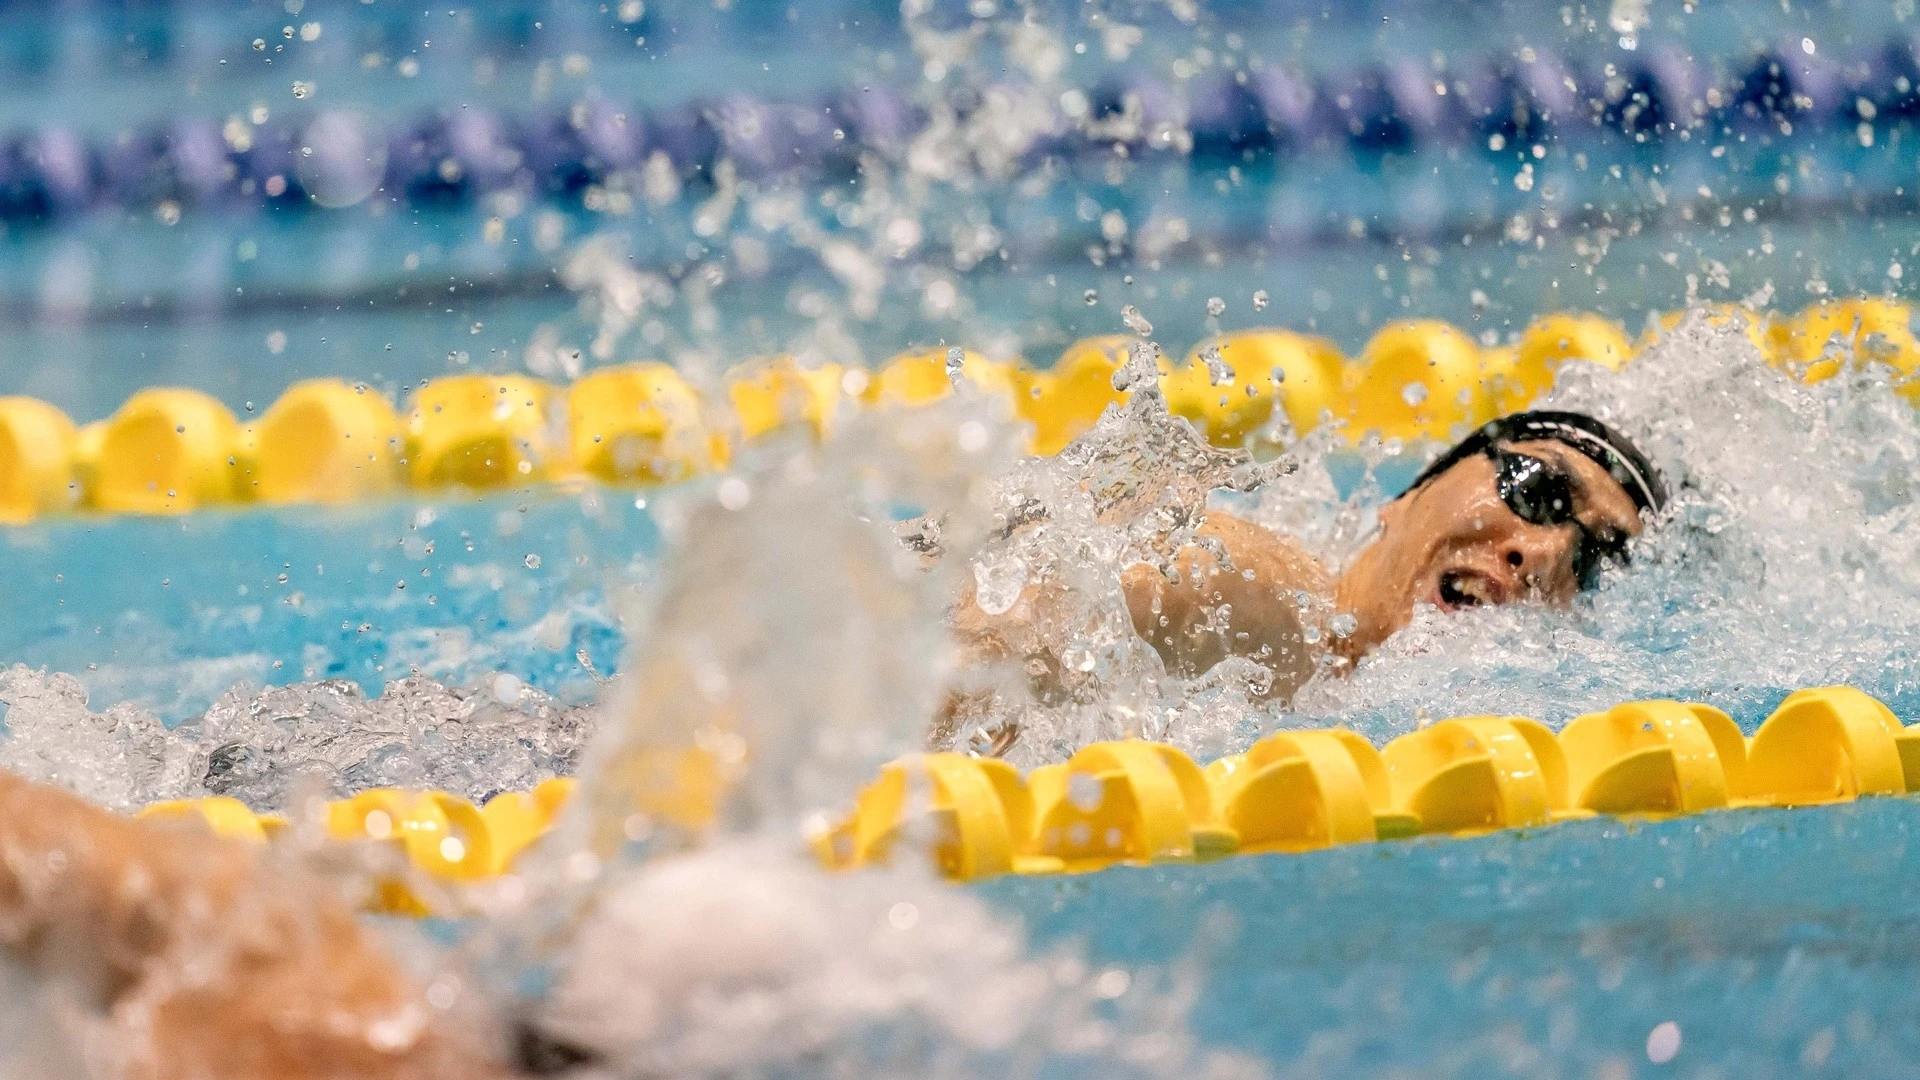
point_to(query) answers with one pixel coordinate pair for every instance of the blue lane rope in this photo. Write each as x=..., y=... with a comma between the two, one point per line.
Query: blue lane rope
x=1495, y=106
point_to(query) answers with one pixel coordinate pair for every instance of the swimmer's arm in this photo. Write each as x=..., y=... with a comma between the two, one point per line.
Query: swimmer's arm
x=124, y=911
x=1258, y=586
x=85, y=894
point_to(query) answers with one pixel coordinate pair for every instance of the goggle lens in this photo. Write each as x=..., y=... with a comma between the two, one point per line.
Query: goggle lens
x=1541, y=493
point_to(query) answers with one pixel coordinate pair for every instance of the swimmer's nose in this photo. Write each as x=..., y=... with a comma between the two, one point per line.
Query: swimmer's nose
x=1535, y=560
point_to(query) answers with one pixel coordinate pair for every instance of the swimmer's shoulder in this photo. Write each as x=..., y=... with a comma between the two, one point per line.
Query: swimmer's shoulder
x=1274, y=557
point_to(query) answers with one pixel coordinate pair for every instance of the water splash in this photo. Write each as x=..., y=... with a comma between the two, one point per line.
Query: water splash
x=1065, y=667
x=784, y=673
x=794, y=643
x=260, y=746
x=745, y=961
x=1787, y=559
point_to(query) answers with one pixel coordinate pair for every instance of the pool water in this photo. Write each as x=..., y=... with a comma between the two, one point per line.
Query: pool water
x=554, y=186
x=1778, y=942
x=170, y=613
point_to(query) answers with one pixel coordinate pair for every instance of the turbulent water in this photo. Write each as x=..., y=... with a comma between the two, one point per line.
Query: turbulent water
x=745, y=960
x=1788, y=560
x=797, y=634
x=259, y=746
x=796, y=641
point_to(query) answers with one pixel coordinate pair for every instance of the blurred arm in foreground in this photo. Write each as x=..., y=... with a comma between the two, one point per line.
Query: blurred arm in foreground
x=179, y=955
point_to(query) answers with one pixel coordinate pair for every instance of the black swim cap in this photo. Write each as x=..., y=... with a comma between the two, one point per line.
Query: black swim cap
x=1601, y=444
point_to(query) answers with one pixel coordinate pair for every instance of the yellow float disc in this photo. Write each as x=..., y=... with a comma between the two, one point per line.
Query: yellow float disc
x=1302, y=371
x=1867, y=328
x=226, y=817
x=168, y=451
x=770, y=394
x=1419, y=379
x=1516, y=378
x=920, y=378
x=483, y=431
x=328, y=442
x=640, y=422
x=37, y=444
x=1066, y=400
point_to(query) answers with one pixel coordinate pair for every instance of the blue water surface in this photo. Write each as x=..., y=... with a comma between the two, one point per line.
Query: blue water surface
x=1781, y=942
x=171, y=612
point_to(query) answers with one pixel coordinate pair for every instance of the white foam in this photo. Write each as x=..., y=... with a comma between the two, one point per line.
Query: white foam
x=258, y=745
x=745, y=958
x=1791, y=558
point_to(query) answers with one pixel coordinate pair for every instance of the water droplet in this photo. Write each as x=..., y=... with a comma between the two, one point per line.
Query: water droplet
x=1085, y=792
x=302, y=88
x=998, y=578
x=734, y=494
x=1218, y=373
x=532, y=561
x=1663, y=1042
x=1216, y=306
x=956, y=363
x=1414, y=394
x=1092, y=297
x=1260, y=300
x=507, y=688
x=1343, y=624
x=1135, y=321
x=903, y=916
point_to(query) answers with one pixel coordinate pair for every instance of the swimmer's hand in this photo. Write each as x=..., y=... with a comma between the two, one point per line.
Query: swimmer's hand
x=179, y=950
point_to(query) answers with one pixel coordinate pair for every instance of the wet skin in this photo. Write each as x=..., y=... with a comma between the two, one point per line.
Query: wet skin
x=1451, y=543
x=173, y=954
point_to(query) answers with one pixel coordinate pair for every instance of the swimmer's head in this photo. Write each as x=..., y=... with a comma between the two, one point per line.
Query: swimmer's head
x=1529, y=507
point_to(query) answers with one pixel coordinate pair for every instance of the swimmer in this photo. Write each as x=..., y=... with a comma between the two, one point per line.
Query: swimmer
x=1530, y=507
x=167, y=952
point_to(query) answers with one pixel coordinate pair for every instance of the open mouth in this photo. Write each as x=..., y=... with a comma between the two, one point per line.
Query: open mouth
x=1464, y=588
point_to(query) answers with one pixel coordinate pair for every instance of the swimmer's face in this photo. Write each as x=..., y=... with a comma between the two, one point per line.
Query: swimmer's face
x=1454, y=543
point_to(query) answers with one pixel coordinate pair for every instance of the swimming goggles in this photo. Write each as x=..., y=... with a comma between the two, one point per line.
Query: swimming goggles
x=1540, y=492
